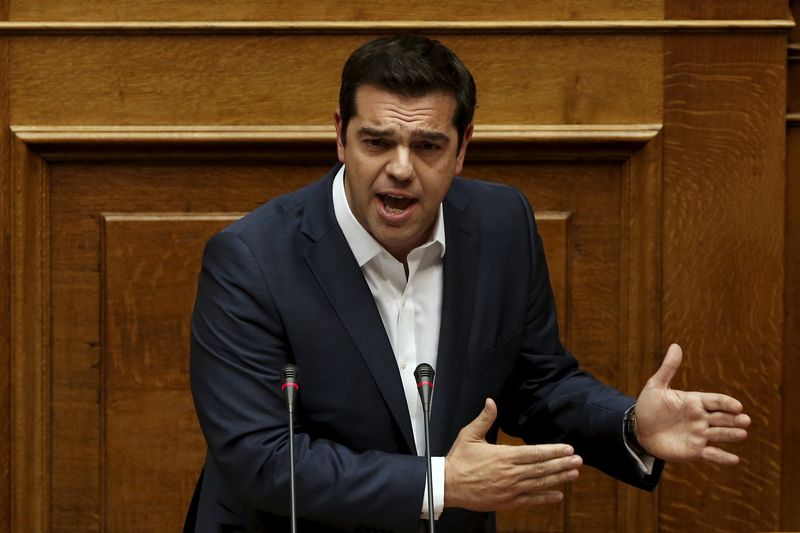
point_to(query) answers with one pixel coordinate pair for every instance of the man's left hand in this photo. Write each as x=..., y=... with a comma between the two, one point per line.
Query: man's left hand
x=686, y=426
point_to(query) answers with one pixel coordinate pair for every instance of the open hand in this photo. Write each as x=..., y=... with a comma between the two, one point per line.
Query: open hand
x=487, y=477
x=686, y=426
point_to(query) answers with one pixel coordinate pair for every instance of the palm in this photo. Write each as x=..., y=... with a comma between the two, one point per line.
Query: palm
x=684, y=426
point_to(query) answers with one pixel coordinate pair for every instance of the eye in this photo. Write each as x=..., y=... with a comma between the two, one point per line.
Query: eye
x=375, y=144
x=426, y=146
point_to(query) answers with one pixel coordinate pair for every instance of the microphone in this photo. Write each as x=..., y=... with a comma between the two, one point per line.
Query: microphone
x=290, y=389
x=424, y=375
x=289, y=385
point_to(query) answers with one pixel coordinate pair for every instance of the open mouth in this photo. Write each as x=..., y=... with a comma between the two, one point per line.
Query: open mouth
x=395, y=204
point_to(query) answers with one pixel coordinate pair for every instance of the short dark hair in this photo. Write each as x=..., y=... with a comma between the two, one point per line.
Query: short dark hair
x=409, y=65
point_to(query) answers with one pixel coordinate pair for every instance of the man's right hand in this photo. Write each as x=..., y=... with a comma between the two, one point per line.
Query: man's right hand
x=487, y=477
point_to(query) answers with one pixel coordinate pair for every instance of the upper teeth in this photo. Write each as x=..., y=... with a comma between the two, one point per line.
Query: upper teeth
x=397, y=197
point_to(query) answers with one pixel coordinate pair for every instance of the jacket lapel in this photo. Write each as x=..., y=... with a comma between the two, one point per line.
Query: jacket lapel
x=460, y=278
x=330, y=259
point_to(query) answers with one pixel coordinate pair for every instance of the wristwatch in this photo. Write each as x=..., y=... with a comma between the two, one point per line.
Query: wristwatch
x=629, y=432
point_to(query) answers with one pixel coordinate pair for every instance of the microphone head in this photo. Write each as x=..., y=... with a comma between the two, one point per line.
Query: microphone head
x=289, y=373
x=289, y=385
x=424, y=375
x=424, y=372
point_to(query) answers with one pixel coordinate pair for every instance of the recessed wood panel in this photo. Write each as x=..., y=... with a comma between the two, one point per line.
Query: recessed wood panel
x=152, y=444
x=247, y=79
x=330, y=10
x=150, y=266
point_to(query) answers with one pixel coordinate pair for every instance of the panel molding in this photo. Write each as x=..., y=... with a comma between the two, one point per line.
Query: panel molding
x=391, y=26
x=636, y=146
x=30, y=334
x=314, y=142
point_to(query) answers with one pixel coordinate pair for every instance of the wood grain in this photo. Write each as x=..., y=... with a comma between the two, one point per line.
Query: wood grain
x=350, y=27
x=233, y=80
x=146, y=401
x=6, y=195
x=371, y=10
x=723, y=263
x=790, y=511
x=729, y=9
x=790, y=492
x=30, y=330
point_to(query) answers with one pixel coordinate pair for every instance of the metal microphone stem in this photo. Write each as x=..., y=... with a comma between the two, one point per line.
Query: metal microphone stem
x=430, y=471
x=291, y=468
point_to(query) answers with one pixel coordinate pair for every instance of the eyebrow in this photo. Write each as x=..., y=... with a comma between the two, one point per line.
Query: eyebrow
x=373, y=132
x=428, y=135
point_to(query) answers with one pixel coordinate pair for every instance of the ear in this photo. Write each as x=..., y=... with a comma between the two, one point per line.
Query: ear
x=463, y=152
x=340, y=140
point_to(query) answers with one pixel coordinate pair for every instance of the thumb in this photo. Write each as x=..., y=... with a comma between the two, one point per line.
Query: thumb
x=476, y=430
x=668, y=368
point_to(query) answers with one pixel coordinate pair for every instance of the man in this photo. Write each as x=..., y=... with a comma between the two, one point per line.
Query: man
x=387, y=262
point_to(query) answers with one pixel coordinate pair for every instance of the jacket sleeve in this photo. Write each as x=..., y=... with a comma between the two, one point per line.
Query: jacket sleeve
x=238, y=346
x=550, y=399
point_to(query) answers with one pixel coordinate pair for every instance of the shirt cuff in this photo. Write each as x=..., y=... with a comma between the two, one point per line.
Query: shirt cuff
x=644, y=462
x=437, y=472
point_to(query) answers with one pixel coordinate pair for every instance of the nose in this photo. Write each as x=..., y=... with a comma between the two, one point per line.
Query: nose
x=399, y=166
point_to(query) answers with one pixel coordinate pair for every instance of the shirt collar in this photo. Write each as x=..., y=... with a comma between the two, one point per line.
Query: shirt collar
x=364, y=245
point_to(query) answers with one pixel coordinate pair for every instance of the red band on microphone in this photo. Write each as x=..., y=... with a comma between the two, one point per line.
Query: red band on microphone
x=295, y=385
x=423, y=383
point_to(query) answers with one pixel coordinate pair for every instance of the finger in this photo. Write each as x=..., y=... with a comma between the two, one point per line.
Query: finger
x=477, y=429
x=535, y=498
x=713, y=401
x=546, y=468
x=535, y=484
x=523, y=455
x=718, y=456
x=726, y=434
x=720, y=419
x=670, y=365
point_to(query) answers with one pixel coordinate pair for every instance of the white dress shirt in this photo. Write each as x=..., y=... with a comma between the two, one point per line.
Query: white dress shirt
x=410, y=308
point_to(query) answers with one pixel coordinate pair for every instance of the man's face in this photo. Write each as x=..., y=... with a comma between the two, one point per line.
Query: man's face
x=401, y=155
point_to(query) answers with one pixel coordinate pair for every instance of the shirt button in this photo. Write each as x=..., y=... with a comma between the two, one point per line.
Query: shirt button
x=403, y=363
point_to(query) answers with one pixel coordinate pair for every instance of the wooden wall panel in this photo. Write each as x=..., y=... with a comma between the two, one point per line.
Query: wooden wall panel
x=109, y=80
x=790, y=491
x=729, y=9
x=6, y=348
x=151, y=441
x=723, y=262
x=362, y=10
x=604, y=71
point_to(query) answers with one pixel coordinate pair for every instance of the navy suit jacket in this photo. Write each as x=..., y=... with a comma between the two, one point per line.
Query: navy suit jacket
x=281, y=285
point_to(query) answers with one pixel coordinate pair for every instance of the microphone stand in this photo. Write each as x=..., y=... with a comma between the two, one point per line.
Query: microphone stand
x=430, y=470
x=424, y=375
x=290, y=389
x=291, y=469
